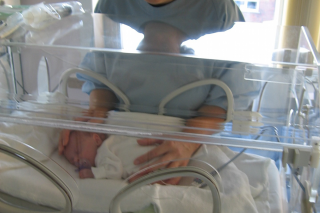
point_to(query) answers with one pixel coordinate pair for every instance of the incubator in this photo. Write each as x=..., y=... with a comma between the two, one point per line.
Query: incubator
x=243, y=103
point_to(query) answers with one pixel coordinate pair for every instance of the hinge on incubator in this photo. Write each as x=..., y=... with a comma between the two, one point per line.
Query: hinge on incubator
x=299, y=158
x=309, y=197
x=315, y=155
x=312, y=194
x=245, y=121
x=304, y=113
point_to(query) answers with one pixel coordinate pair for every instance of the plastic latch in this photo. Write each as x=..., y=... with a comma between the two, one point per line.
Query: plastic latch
x=285, y=156
x=315, y=154
x=243, y=121
x=311, y=194
x=297, y=158
x=308, y=72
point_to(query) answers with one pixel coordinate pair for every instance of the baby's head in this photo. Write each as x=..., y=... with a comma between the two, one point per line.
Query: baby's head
x=82, y=148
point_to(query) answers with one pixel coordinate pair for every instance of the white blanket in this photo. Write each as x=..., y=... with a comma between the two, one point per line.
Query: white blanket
x=245, y=184
x=237, y=194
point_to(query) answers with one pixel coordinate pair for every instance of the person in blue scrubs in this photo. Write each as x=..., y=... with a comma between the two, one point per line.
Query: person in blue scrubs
x=193, y=17
x=165, y=25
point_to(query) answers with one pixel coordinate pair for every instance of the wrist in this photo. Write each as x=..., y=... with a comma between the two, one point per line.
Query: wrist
x=203, y=125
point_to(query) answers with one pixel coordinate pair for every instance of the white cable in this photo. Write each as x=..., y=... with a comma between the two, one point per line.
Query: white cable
x=158, y=175
x=102, y=79
x=197, y=84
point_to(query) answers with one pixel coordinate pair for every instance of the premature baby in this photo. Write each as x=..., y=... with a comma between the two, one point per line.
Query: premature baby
x=96, y=156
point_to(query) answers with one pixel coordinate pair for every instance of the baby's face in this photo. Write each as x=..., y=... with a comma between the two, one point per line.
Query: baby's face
x=81, y=150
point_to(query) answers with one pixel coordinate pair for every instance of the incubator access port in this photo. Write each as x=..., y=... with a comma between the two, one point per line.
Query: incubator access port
x=32, y=177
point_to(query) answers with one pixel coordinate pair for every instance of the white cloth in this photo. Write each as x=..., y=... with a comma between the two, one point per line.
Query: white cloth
x=240, y=191
x=234, y=183
x=115, y=157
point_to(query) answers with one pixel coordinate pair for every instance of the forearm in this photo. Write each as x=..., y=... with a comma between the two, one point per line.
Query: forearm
x=211, y=119
x=101, y=101
x=205, y=123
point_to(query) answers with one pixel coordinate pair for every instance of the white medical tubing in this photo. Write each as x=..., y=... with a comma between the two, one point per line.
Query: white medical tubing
x=102, y=79
x=198, y=84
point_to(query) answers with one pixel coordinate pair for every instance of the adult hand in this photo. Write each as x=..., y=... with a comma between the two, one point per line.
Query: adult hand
x=65, y=133
x=101, y=101
x=93, y=116
x=171, y=154
x=63, y=140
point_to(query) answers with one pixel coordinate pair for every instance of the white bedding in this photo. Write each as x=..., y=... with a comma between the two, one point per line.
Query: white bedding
x=250, y=184
x=262, y=195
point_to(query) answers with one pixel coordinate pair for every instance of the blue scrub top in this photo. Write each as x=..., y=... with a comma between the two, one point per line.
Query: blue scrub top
x=147, y=79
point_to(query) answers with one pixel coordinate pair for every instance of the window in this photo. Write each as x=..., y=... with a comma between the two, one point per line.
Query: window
x=252, y=5
x=248, y=5
x=261, y=10
x=240, y=3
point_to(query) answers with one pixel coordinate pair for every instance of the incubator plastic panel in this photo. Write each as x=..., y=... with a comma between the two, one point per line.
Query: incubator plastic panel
x=247, y=98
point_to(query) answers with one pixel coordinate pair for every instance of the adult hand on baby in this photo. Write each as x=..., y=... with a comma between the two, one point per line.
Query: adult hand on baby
x=85, y=173
x=63, y=140
x=169, y=152
x=101, y=101
x=65, y=134
x=89, y=116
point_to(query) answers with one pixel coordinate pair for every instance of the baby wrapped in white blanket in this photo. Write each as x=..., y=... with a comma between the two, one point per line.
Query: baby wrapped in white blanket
x=243, y=189
x=112, y=158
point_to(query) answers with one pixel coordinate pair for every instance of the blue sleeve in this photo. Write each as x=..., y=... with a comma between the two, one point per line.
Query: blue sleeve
x=228, y=12
x=244, y=91
x=93, y=61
